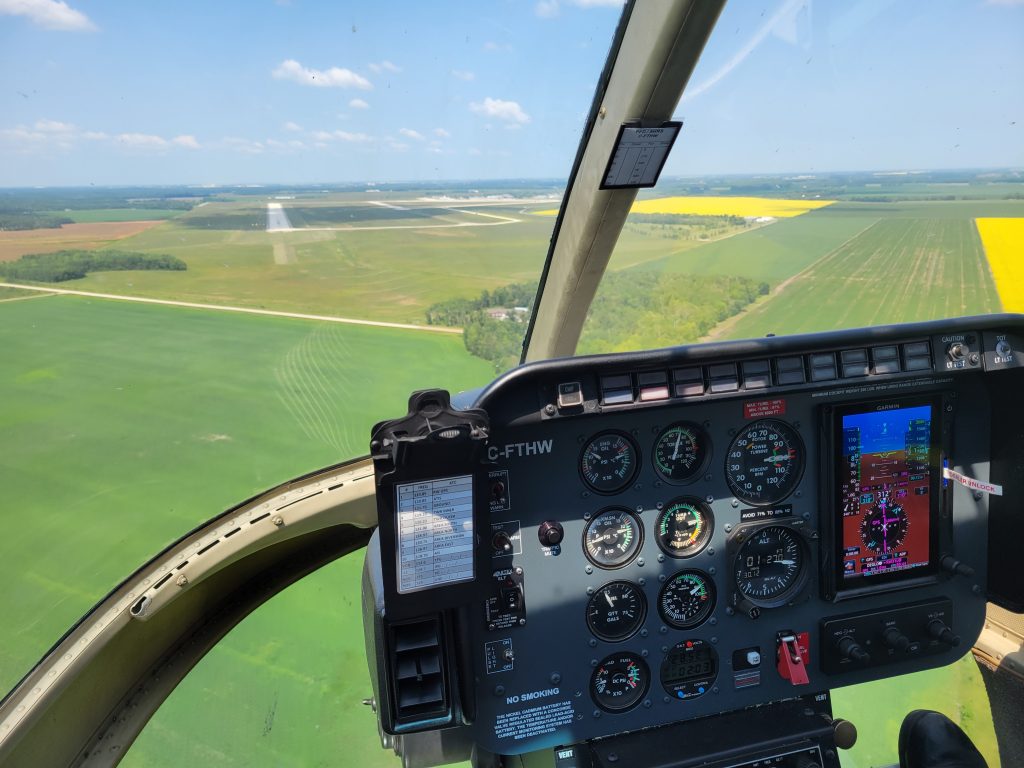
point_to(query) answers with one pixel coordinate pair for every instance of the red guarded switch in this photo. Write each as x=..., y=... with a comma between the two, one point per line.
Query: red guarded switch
x=791, y=657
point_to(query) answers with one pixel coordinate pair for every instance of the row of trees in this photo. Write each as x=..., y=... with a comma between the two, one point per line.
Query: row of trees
x=60, y=266
x=12, y=220
x=632, y=310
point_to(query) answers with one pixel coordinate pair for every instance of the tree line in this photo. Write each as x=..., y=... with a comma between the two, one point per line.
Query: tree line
x=60, y=266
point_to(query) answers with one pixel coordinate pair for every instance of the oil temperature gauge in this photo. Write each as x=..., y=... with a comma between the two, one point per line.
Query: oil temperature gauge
x=687, y=599
x=619, y=682
x=612, y=538
x=684, y=527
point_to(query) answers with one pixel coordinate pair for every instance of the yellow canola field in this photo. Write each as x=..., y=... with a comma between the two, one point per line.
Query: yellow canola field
x=748, y=207
x=1004, y=247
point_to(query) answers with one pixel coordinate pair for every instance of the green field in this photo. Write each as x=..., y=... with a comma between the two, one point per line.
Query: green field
x=376, y=274
x=192, y=411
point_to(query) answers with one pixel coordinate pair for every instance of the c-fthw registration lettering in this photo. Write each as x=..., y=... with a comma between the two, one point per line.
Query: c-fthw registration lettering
x=521, y=450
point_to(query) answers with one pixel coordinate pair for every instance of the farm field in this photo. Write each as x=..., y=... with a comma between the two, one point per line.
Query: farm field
x=896, y=270
x=123, y=214
x=70, y=236
x=390, y=275
x=751, y=207
x=191, y=411
x=1004, y=245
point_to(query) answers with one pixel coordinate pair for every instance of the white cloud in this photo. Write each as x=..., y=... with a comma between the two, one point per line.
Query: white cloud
x=442, y=133
x=245, y=146
x=358, y=104
x=463, y=74
x=335, y=77
x=510, y=111
x=293, y=127
x=546, y=9
x=186, y=140
x=384, y=66
x=358, y=138
x=53, y=126
x=409, y=133
x=141, y=140
x=398, y=146
x=95, y=136
x=49, y=14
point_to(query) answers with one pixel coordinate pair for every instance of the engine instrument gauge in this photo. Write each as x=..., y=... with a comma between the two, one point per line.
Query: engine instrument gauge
x=609, y=462
x=884, y=526
x=619, y=682
x=687, y=599
x=612, y=538
x=769, y=566
x=689, y=669
x=684, y=527
x=616, y=610
x=681, y=452
x=764, y=462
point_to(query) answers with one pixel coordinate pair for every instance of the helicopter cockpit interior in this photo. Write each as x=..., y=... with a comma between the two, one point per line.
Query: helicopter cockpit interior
x=665, y=558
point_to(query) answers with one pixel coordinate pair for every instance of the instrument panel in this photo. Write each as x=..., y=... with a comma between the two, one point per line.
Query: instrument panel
x=659, y=545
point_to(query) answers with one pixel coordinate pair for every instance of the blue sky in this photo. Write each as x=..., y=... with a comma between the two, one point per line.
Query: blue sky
x=102, y=92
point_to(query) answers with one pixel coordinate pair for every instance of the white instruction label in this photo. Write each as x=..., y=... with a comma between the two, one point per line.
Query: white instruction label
x=534, y=721
x=435, y=533
x=970, y=482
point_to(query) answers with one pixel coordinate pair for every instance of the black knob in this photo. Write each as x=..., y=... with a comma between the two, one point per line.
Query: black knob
x=938, y=629
x=896, y=639
x=550, y=533
x=954, y=566
x=502, y=543
x=844, y=733
x=852, y=650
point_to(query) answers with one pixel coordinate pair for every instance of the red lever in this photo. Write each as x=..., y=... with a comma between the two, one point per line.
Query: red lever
x=791, y=657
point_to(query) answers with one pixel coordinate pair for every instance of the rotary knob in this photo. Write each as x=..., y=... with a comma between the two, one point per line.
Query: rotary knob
x=550, y=533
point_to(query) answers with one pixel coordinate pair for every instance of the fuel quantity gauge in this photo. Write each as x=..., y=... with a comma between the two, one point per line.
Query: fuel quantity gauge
x=616, y=610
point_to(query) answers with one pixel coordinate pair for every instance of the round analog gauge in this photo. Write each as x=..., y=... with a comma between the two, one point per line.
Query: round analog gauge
x=609, y=462
x=769, y=565
x=684, y=527
x=612, y=538
x=681, y=452
x=689, y=669
x=619, y=682
x=616, y=610
x=764, y=463
x=687, y=599
x=885, y=525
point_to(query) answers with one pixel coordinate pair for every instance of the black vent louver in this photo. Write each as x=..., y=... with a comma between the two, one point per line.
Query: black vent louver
x=418, y=675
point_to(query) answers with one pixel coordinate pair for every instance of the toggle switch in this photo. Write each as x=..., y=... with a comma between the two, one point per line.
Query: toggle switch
x=791, y=657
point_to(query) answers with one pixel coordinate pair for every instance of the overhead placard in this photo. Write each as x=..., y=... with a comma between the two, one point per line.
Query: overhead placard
x=639, y=155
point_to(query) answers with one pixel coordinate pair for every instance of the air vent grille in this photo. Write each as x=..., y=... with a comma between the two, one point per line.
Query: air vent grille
x=418, y=671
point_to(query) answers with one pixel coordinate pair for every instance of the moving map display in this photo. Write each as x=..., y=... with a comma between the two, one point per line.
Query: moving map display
x=885, y=478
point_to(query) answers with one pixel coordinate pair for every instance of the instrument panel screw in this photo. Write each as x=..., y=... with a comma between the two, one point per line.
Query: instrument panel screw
x=978, y=496
x=640, y=561
x=593, y=662
x=277, y=520
x=182, y=580
x=976, y=589
x=647, y=703
x=714, y=689
x=490, y=627
x=806, y=515
x=798, y=494
x=709, y=499
x=711, y=571
x=555, y=678
x=597, y=713
x=590, y=590
x=707, y=477
x=522, y=622
x=663, y=630
x=588, y=569
x=644, y=633
x=549, y=409
x=592, y=643
x=659, y=505
x=735, y=503
x=639, y=508
x=662, y=577
x=645, y=653
x=729, y=610
x=586, y=515
x=666, y=699
x=519, y=571
x=728, y=527
x=612, y=757
x=661, y=558
x=712, y=621
x=499, y=690
x=711, y=551
x=714, y=638
x=641, y=581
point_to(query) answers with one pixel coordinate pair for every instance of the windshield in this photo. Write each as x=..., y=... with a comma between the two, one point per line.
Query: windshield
x=232, y=238
x=840, y=165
